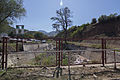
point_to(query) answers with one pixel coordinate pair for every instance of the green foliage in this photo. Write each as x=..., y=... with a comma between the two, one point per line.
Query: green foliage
x=5, y=28
x=71, y=30
x=111, y=17
x=94, y=21
x=28, y=35
x=2, y=72
x=65, y=61
x=62, y=21
x=10, y=10
x=74, y=31
x=78, y=31
x=39, y=35
x=102, y=18
x=12, y=47
x=44, y=60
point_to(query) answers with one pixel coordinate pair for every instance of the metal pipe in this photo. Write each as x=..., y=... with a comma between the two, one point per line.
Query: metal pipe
x=103, y=52
x=6, y=55
x=115, y=60
x=69, y=66
x=56, y=52
x=3, y=51
x=17, y=45
x=61, y=52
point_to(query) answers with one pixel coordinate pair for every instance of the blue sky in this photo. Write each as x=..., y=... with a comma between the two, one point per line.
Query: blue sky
x=39, y=12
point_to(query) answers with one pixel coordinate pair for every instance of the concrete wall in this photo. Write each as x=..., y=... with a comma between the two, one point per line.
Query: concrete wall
x=31, y=47
x=21, y=58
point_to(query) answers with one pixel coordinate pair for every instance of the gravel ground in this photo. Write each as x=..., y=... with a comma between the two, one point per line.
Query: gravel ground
x=77, y=73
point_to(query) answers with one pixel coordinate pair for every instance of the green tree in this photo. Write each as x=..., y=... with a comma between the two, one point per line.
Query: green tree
x=102, y=18
x=28, y=35
x=94, y=21
x=105, y=18
x=11, y=10
x=39, y=35
x=63, y=20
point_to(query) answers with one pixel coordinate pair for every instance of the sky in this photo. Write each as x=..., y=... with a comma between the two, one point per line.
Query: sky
x=39, y=12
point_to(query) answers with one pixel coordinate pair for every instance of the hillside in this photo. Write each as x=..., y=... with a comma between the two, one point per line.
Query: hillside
x=105, y=26
x=52, y=33
x=110, y=29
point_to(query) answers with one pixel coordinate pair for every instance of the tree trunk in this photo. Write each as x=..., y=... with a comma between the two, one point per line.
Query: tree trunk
x=65, y=36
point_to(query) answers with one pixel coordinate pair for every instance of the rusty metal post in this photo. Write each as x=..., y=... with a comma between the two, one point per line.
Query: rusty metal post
x=17, y=45
x=61, y=52
x=3, y=51
x=6, y=54
x=69, y=72
x=103, y=53
x=115, y=60
x=22, y=42
x=56, y=52
x=105, y=47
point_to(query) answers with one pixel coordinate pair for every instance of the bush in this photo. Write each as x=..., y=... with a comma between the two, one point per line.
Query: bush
x=94, y=21
x=44, y=60
x=65, y=61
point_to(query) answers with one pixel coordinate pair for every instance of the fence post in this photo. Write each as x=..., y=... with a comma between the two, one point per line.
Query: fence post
x=17, y=45
x=115, y=60
x=56, y=52
x=6, y=55
x=103, y=53
x=62, y=51
x=3, y=51
x=59, y=55
x=69, y=66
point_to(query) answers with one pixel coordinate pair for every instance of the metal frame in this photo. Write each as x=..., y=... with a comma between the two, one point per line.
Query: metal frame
x=4, y=53
x=59, y=50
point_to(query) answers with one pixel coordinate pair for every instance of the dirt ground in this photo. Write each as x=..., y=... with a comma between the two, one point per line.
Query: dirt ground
x=79, y=73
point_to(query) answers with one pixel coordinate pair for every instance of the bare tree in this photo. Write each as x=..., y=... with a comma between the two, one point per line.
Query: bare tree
x=63, y=20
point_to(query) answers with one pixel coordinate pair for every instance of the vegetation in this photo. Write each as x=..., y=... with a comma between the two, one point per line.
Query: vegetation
x=39, y=35
x=29, y=34
x=63, y=20
x=111, y=17
x=78, y=31
x=74, y=31
x=12, y=47
x=10, y=10
x=94, y=21
x=44, y=60
x=2, y=72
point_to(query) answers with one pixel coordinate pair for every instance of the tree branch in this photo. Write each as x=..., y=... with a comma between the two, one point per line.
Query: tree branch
x=5, y=17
